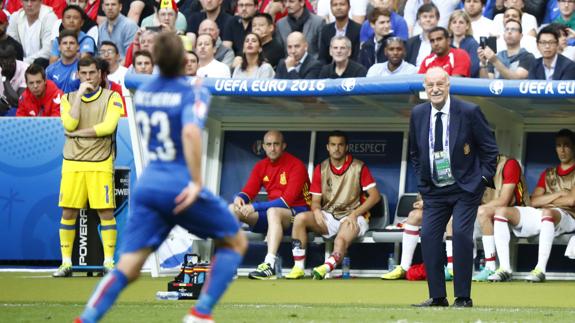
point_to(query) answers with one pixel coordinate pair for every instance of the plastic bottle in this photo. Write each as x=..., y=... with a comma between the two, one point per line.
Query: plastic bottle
x=345, y=267
x=391, y=262
x=278, y=267
x=167, y=296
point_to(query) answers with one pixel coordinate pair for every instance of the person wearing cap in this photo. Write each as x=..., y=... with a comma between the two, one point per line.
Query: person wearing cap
x=167, y=17
x=6, y=39
x=32, y=26
x=12, y=74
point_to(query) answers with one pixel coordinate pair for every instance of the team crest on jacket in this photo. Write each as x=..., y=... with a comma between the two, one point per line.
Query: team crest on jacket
x=283, y=178
x=466, y=149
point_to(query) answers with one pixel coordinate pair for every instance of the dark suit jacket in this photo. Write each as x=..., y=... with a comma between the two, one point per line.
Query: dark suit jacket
x=472, y=148
x=327, y=33
x=309, y=69
x=564, y=69
x=367, y=53
x=412, y=49
x=353, y=70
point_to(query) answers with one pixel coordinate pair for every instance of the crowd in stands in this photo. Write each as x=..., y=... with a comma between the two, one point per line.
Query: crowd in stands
x=289, y=39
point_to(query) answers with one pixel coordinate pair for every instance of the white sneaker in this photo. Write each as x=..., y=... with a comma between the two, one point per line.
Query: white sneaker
x=192, y=318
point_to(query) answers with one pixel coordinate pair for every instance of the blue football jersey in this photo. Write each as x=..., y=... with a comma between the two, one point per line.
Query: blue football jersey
x=163, y=107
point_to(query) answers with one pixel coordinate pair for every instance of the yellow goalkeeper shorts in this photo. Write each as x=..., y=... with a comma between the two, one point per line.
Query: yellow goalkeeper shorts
x=76, y=188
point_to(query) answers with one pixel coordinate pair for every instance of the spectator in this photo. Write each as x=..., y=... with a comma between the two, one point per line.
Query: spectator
x=89, y=26
x=298, y=64
x=240, y=25
x=64, y=72
x=462, y=37
x=564, y=48
x=272, y=48
x=528, y=21
x=277, y=9
x=551, y=65
x=143, y=62
x=527, y=41
x=56, y=5
x=117, y=28
x=213, y=11
x=208, y=65
x=357, y=12
x=41, y=97
x=481, y=25
x=253, y=64
x=187, y=7
x=167, y=17
x=512, y=63
x=223, y=54
x=143, y=40
x=191, y=68
x=5, y=39
x=411, y=13
x=31, y=27
x=343, y=26
x=398, y=24
x=91, y=9
x=115, y=72
x=106, y=83
x=418, y=46
x=372, y=51
x=73, y=19
x=454, y=61
x=13, y=78
x=136, y=10
x=302, y=20
x=395, y=65
x=341, y=66
x=566, y=16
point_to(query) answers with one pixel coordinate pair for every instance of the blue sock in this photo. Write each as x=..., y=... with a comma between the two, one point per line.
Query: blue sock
x=104, y=296
x=224, y=266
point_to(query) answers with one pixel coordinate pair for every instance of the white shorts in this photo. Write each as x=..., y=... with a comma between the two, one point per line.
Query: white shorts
x=529, y=222
x=333, y=225
x=566, y=224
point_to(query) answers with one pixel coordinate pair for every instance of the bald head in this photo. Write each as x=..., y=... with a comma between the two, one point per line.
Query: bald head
x=436, y=84
x=209, y=27
x=296, y=45
x=274, y=144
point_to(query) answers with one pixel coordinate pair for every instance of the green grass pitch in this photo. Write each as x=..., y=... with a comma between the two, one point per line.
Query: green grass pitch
x=36, y=297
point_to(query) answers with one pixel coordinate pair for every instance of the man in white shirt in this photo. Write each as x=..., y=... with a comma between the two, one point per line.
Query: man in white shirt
x=481, y=26
x=395, y=65
x=445, y=8
x=528, y=21
x=109, y=53
x=357, y=11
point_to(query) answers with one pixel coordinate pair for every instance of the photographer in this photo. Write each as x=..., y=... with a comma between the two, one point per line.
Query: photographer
x=13, y=79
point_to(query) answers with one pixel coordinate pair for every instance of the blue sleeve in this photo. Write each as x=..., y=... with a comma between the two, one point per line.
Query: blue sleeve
x=266, y=205
x=551, y=12
x=366, y=32
x=400, y=28
x=488, y=10
x=54, y=50
x=471, y=47
x=196, y=105
x=88, y=45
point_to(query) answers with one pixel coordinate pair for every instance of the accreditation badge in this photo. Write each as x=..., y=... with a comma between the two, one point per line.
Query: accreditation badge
x=442, y=166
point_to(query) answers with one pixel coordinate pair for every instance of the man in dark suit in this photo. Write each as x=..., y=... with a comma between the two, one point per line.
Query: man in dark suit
x=299, y=64
x=342, y=26
x=454, y=154
x=552, y=65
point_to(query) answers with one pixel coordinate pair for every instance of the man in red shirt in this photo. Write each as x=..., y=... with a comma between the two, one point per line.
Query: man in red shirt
x=343, y=191
x=454, y=61
x=286, y=182
x=41, y=97
x=552, y=212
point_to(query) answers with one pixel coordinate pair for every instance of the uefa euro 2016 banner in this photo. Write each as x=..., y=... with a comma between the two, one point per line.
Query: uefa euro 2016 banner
x=377, y=85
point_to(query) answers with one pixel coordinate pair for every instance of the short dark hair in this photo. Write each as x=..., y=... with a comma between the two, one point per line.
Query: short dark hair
x=548, y=30
x=169, y=54
x=517, y=22
x=483, y=2
x=67, y=33
x=88, y=61
x=439, y=28
x=378, y=12
x=143, y=52
x=34, y=69
x=345, y=1
x=337, y=133
x=428, y=7
x=103, y=65
x=393, y=39
x=267, y=16
x=566, y=133
x=109, y=43
x=75, y=7
x=213, y=40
x=561, y=28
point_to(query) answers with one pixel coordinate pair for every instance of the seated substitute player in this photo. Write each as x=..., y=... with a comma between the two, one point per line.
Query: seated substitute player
x=90, y=117
x=339, y=207
x=170, y=190
x=285, y=179
x=551, y=213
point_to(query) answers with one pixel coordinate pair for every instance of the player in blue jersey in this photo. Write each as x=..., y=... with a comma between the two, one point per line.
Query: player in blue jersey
x=171, y=114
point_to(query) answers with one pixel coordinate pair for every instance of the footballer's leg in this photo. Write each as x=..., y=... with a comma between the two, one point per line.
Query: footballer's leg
x=250, y=219
x=303, y=223
x=503, y=218
x=109, y=236
x=349, y=229
x=410, y=238
x=550, y=218
x=67, y=234
x=485, y=216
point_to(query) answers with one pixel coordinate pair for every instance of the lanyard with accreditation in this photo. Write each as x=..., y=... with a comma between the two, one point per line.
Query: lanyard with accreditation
x=441, y=161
